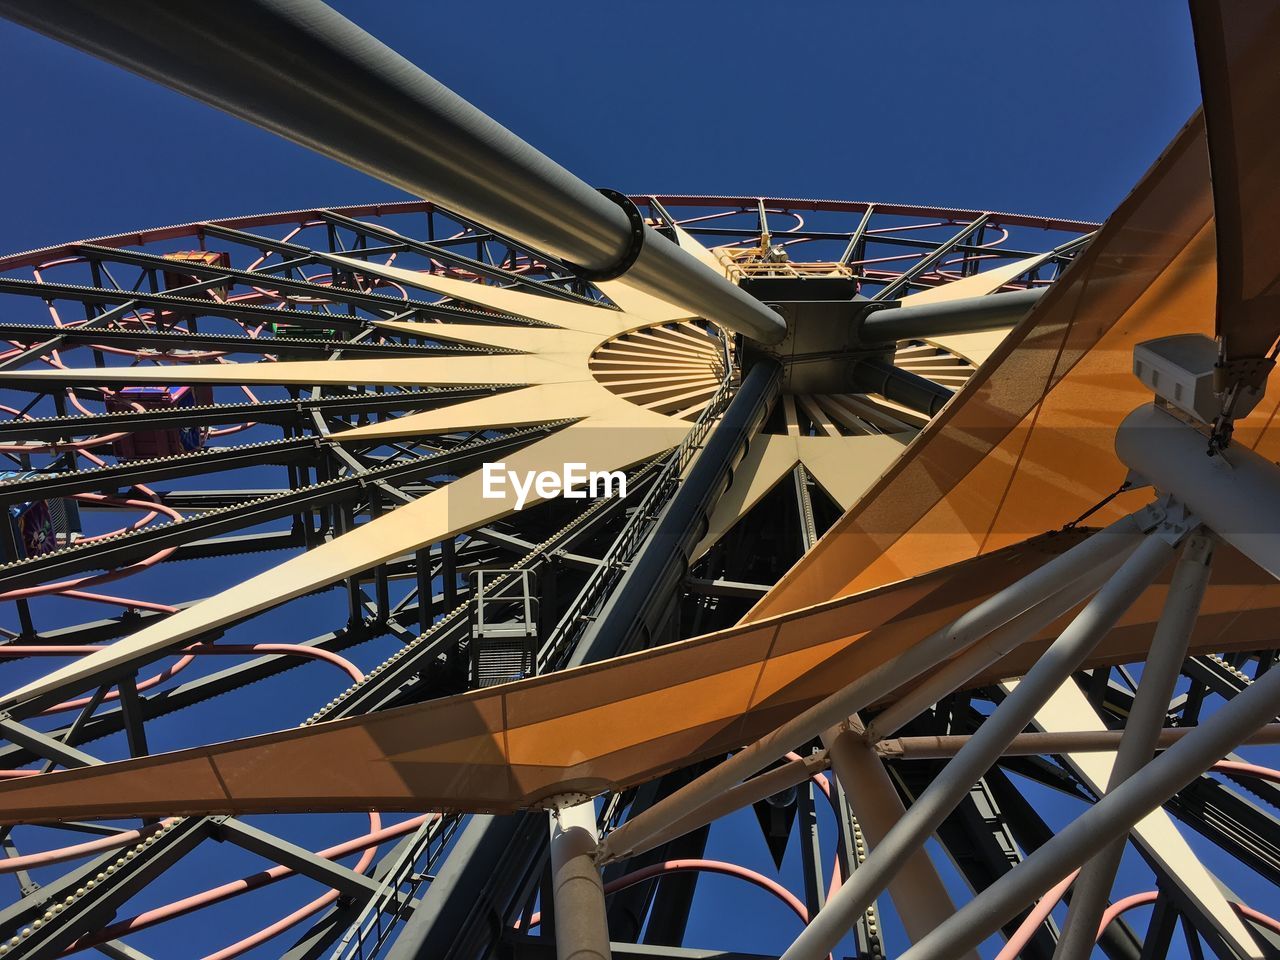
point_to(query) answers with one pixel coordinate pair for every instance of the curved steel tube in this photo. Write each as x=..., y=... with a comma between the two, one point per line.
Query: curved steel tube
x=702, y=866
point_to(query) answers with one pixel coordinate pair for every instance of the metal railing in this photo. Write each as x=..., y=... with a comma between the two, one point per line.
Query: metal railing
x=371, y=931
x=504, y=627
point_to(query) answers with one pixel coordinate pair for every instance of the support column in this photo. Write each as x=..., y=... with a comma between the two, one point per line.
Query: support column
x=1110, y=818
x=918, y=895
x=954, y=780
x=1138, y=742
x=582, y=931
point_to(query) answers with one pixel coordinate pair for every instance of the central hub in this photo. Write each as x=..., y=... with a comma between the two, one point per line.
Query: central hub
x=822, y=345
x=670, y=368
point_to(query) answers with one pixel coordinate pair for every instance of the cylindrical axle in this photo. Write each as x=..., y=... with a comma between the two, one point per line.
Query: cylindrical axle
x=305, y=72
x=949, y=316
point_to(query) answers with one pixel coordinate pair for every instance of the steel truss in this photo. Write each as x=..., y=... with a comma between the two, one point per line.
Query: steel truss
x=283, y=287
x=451, y=886
x=307, y=489
x=150, y=495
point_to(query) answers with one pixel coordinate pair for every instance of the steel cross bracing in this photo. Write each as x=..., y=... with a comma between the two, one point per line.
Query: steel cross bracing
x=138, y=473
x=292, y=413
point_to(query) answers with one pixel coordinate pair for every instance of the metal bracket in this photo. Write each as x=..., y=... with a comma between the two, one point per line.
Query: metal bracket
x=1248, y=372
x=635, y=242
x=1231, y=379
x=562, y=801
x=1168, y=519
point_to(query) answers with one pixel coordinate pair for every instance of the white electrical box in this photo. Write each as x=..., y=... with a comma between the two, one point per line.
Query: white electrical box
x=1179, y=370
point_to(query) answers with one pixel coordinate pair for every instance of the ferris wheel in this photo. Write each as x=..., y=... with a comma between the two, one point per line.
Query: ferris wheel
x=477, y=560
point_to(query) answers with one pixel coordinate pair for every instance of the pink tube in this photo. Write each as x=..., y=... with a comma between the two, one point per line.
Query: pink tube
x=284, y=923
x=62, y=854
x=702, y=866
x=1258, y=917
x=1018, y=941
x=78, y=850
x=1126, y=904
x=1050, y=900
x=245, y=944
x=1248, y=770
x=1150, y=896
x=226, y=891
x=118, y=601
x=66, y=585
x=823, y=784
x=60, y=446
x=290, y=649
x=80, y=703
x=1027, y=929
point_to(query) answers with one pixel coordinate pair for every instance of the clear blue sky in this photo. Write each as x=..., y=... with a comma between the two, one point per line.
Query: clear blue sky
x=1013, y=106
x=1053, y=109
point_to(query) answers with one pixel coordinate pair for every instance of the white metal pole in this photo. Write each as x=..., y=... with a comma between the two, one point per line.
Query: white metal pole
x=1041, y=744
x=790, y=774
x=350, y=97
x=582, y=928
x=952, y=675
x=1236, y=493
x=1138, y=744
x=922, y=902
x=985, y=747
x=1109, y=819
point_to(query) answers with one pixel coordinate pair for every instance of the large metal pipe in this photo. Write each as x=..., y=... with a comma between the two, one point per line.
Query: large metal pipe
x=1234, y=493
x=953, y=782
x=582, y=932
x=900, y=386
x=1141, y=733
x=1109, y=819
x=949, y=316
x=646, y=588
x=918, y=895
x=305, y=72
x=1048, y=744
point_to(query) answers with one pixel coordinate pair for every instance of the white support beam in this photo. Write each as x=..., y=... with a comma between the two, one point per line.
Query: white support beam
x=1110, y=818
x=921, y=900
x=582, y=928
x=953, y=782
x=1156, y=833
x=1141, y=731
